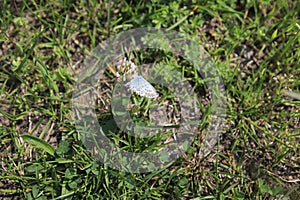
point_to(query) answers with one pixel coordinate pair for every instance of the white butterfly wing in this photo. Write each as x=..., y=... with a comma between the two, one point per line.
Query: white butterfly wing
x=142, y=87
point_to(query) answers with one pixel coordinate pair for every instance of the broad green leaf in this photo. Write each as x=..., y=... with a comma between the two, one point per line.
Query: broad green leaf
x=39, y=143
x=294, y=95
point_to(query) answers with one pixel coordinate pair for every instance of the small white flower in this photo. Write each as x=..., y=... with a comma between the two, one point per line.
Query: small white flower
x=125, y=67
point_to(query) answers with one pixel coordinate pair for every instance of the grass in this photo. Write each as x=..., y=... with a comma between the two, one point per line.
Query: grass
x=256, y=48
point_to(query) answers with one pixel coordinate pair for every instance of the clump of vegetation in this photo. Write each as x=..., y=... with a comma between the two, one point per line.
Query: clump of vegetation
x=255, y=46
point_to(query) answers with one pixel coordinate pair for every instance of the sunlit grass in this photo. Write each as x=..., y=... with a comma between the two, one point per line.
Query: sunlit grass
x=256, y=48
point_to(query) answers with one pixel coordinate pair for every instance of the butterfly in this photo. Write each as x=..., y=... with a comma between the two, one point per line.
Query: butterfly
x=128, y=70
x=142, y=87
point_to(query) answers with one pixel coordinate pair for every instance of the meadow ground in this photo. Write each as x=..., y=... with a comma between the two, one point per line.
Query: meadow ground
x=255, y=47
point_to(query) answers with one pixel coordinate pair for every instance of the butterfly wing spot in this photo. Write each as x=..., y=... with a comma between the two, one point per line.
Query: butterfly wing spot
x=142, y=87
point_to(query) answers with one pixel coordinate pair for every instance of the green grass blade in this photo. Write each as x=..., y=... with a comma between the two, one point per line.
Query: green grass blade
x=39, y=143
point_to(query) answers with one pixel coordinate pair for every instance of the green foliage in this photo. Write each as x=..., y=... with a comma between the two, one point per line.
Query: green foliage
x=39, y=143
x=256, y=47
